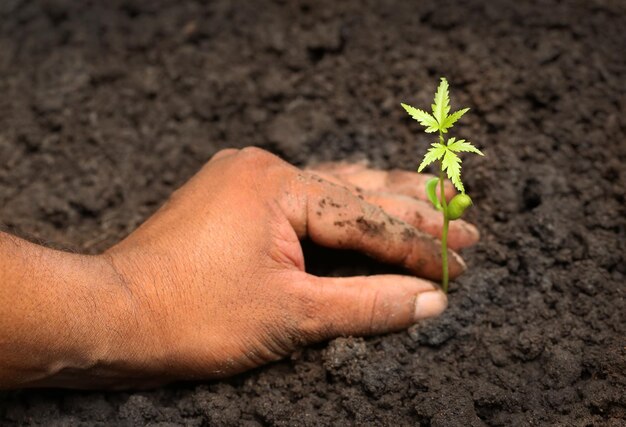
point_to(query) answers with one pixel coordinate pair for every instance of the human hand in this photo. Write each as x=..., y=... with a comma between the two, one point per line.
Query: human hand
x=215, y=279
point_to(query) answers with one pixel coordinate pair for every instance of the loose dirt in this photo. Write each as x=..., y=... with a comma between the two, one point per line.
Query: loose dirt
x=107, y=107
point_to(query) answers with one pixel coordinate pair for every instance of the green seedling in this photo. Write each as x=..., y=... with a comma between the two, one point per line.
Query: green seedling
x=446, y=152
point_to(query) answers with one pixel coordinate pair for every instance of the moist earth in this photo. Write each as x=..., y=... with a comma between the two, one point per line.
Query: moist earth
x=107, y=107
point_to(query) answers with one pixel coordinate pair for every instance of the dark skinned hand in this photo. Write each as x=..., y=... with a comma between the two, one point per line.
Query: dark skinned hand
x=214, y=283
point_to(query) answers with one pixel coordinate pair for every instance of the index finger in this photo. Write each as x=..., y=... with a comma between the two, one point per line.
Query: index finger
x=334, y=217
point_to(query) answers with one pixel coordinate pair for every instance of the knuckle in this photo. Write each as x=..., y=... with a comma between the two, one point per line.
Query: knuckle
x=225, y=152
x=309, y=311
x=270, y=172
x=257, y=161
x=372, y=321
x=372, y=211
x=256, y=154
x=380, y=313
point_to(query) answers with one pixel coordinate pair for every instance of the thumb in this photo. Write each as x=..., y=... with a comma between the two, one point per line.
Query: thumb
x=367, y=305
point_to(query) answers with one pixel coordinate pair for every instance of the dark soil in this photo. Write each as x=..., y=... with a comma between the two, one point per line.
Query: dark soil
x=107, y=107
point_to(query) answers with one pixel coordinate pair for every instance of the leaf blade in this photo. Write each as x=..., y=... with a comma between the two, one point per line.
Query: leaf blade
x=436, y=152
x=451, y=164
x=441, y=106
x=462, y=146
x=424, y=118
x=451, y=119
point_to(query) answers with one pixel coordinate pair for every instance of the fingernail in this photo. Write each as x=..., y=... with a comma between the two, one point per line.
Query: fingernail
x=471, y=230
x=430, y=304
x=459, y=260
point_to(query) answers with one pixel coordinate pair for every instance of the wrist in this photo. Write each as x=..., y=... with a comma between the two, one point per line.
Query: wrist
x=77, y=324
x=118, y=341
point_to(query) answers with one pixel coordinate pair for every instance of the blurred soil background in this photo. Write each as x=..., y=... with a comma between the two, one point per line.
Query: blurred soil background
x=107, y=107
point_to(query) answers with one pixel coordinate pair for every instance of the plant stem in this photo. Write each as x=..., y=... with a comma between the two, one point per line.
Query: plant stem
x=446, y=222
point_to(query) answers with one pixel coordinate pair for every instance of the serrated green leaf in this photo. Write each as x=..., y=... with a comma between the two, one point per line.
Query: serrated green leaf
x=434, y=153
x=451, y=163
x=452, y=118
x=424, y=118
x=462, y=146
x=441, y=107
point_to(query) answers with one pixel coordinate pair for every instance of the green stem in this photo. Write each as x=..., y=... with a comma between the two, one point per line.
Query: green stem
x=444, y=234
x=444, y=237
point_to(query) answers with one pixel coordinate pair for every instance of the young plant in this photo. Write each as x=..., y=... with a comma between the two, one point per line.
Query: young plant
x=446, y=152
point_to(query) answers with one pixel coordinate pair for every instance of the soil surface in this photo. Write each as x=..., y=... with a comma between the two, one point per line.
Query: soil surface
x=107, y=107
